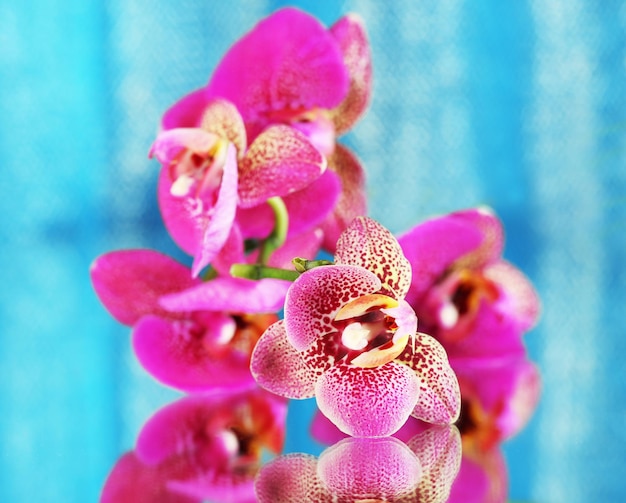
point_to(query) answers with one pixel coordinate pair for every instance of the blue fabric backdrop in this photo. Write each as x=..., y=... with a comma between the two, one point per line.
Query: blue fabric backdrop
x=519, y=105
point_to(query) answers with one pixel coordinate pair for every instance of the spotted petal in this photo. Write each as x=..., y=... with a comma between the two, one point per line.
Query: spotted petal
x=287, y=61
x=440, y=399
x=368, y=402
x=279, y=368
x=221, y=117
x=279, y=162
x=130, y=282
x=352, y=39
x=317, y=295
x=368, y=244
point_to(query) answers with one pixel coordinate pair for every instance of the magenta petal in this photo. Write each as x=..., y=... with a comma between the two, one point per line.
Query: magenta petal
x=323, y=430
x=352, y=39
x=287, y=61
x=306, y=244
x=187, y=355
x=170, y=143
x=481, y=479
x=368, y=244
x=235, y=295
x=130, y=282
x=279, y=162
x=316, y=296
x=279, y=368
x=132, y=481
x=368, y=402
x=358, y=469
x=440, y=399
x=291, y=478
x=187, y=112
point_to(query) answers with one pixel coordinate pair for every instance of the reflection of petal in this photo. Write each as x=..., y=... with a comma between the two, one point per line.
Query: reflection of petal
x=368, y=244
x=359, y=468
x=481, y=479
x=440, y=398
x=367, y=402
x=439, y=451
x=317, y=295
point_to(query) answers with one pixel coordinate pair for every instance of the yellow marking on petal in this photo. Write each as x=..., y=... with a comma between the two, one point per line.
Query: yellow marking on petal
x=364, y=304
x=377, y=356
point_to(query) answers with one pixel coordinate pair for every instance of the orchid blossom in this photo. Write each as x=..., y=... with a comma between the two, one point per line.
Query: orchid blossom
x=201, y=447
x=365, y=469
x=189, y=334
x=209, y=171
x=291, y=70
x=350, y=339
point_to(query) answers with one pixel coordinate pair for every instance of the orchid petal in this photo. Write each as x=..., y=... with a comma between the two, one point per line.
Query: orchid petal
x=440, y=399
x=232, y=252
x=291, y=478
x=279, y=368
x=352, y=201
x=368, y=244
x=347, y=395
x=357, y=469
x=280, y=161
x=439, y=451
x=170, y=143
x=132, y=481
x=130, y=282
x=307, y=208
x=287, y=61
x=199, y=228
x=352, y=39
x=221, y=117
x=306, y=244
x=492, y=244
x=235, y=295
x=519, y=296
x=482, y=478
x=317, y=295
x=186, y=112
x=191, y=356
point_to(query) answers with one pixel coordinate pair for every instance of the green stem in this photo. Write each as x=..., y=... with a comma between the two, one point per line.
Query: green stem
x=302, y=265
x=279, y=232
x=257, y=271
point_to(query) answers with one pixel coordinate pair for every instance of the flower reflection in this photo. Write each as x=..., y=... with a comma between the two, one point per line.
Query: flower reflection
x=367, y=469
x=200, y=447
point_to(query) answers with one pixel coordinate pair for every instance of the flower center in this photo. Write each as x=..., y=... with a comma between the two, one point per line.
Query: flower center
x=375, y=329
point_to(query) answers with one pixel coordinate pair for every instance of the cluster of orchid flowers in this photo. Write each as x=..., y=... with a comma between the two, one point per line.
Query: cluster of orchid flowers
x=253, y=185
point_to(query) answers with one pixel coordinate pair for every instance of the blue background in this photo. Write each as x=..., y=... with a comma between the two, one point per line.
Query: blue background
x=518, y=105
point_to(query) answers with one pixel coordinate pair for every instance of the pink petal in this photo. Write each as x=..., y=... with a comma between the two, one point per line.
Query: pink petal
x=368, y=402
x=324, y=431
x=481, y=479
x=130, y=282
x=316, y=296
x=352, y=39
x=279, y=368
x=291, y=478
x=520, y=298
x=279, y=162
x=187, y=112
x=132, y=481
x=231, y=253
x=229, y=487
x=307, y=208
x=368, y=244
x=440, y=399
x=234, y=295
x=287, y=61
x=352, y=201
x=170, y=143
x=439, y=450
x=198, y=227
x=433, y=247
x=221, y=117
x=306, y=244
x=358, y=469
x=189, y=355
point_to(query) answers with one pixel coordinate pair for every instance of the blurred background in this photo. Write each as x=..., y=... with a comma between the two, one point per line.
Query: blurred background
x=518, y=105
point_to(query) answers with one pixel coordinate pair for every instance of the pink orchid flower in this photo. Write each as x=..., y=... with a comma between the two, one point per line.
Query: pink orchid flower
x=209, y=171
x=350, y=339
x=289, y=69
x=201, y=447
x=189, y=334
x=366, y=469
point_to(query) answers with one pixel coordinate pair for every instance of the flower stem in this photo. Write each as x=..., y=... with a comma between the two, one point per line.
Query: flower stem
x=302, y=265
x=257, y=271
x=279, y=232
